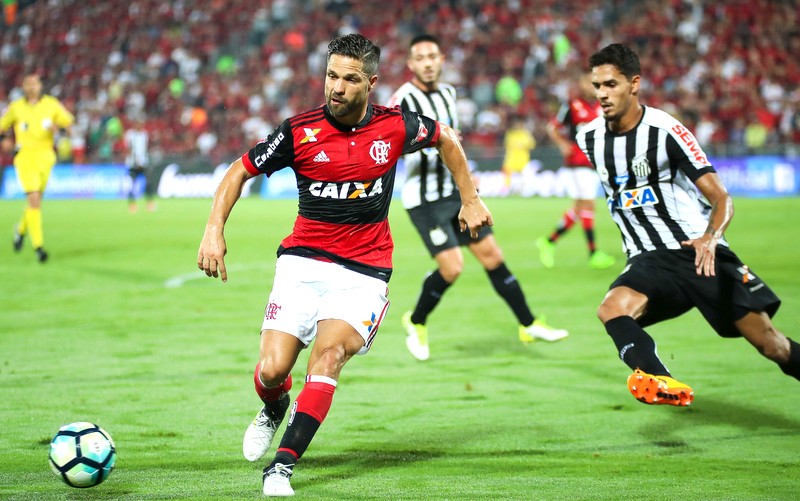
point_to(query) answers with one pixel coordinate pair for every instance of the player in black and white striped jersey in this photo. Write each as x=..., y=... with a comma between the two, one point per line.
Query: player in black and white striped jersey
x=432, y=201
x=137, y=159
x=427, y=178
x=671, y=209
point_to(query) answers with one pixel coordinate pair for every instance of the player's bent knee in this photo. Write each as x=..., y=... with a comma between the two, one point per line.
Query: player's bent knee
x=492, y=261
x=450, y=274
x=271, y=375
x=608, y=311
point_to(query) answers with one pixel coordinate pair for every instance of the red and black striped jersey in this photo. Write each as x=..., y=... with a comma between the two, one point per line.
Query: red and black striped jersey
x=572, y=117
x=345, y=178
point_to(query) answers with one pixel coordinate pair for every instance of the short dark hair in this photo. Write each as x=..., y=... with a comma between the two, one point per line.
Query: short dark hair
x=357, y=47
x=424, y=37
x=619, y=55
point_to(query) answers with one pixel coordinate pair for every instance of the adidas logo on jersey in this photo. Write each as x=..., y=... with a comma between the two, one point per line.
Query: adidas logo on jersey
x=322, y=157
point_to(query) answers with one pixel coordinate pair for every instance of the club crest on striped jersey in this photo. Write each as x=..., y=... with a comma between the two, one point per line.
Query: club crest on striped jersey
x=347, y=189
x=640, y=166
x=642, y=196
x=311, y=135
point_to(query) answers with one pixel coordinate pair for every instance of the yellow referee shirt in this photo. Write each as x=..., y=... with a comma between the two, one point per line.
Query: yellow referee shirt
x=35, y=124
x=518, y=144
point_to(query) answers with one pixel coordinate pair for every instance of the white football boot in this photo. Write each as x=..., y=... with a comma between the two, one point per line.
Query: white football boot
x=258, y=436
x=276, y=481
x=540, y=330
x=416, y=338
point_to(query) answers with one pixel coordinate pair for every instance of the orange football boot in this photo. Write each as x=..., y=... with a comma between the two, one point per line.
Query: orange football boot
x=659, y=390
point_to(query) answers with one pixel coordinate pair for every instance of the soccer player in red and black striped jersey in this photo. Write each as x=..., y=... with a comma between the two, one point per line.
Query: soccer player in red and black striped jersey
x=578, y=175
x=652, y=169
x=333, y=269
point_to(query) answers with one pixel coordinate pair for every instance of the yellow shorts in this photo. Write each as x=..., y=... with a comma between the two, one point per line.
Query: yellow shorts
x=515, y=161
x=33, y=168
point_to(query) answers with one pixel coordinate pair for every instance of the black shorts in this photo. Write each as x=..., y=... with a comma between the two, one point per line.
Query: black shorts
x=437, y=224
x=136, y=170
x=672, y=286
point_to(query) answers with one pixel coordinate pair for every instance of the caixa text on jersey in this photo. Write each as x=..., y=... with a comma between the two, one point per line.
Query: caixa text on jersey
x=348, y=189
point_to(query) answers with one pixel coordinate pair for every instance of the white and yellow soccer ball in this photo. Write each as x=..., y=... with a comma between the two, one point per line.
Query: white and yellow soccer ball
x=82, y=454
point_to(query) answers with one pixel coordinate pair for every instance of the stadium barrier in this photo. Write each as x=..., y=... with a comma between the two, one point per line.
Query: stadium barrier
x=74, y=181
x=755, y=176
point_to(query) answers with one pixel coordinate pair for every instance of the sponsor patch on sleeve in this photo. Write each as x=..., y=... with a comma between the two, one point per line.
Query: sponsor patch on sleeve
x=422, y=133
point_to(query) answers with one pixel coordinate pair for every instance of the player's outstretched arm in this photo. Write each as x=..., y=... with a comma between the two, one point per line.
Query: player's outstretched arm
x=211, y=255
x=473, y=214
x=721, y=202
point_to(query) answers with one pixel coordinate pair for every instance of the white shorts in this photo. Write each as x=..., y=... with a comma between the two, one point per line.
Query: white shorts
x=581, y=183
x=306, y=291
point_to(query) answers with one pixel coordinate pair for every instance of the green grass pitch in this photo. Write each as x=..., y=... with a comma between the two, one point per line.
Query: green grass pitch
x=121, y=329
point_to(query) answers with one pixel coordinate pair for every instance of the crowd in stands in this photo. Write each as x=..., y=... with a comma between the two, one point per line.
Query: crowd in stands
x=211, y=77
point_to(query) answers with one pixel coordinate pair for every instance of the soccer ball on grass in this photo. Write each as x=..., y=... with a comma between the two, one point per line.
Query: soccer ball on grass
x=82, y=454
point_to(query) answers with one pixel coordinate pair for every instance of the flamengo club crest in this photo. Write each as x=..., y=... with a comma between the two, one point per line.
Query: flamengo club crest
x=272, y=311
x=380, y=151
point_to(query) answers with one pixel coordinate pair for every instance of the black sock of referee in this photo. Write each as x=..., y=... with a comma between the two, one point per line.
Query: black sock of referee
x=792, y=367
x=507, y=286
x=636, y=348
x=432, y=290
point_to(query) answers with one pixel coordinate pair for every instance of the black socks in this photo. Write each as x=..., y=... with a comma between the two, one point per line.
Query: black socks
x=508, y=288
x=636, y=348
x=432, y=290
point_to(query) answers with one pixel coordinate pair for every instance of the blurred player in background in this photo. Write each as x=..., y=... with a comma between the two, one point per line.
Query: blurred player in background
x=518, y=142
x=581, y=180
x=678, y=259
x=431, y=198
x=331, y=276
x=35, y=119
x=137, y=159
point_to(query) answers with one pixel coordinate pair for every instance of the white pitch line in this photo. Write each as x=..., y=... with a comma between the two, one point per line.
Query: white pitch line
x=180, y=280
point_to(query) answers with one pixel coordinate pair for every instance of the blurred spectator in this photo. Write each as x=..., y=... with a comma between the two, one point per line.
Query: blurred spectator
x=63, y=148
x=755, y=135
x=561, y=50
x=535, y=65
x=705, y=130
x=508, y=91
x=718, y=62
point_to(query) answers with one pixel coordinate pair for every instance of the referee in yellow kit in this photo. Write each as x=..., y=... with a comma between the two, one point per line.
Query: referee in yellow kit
x=35, y=118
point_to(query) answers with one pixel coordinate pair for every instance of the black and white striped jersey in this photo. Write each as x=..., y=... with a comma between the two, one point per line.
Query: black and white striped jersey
x=136, y=142
x=427, y=177
x=648, y=175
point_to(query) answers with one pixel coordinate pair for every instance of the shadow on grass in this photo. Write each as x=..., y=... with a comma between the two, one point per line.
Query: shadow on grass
x=352, y=464
x=749, y=419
